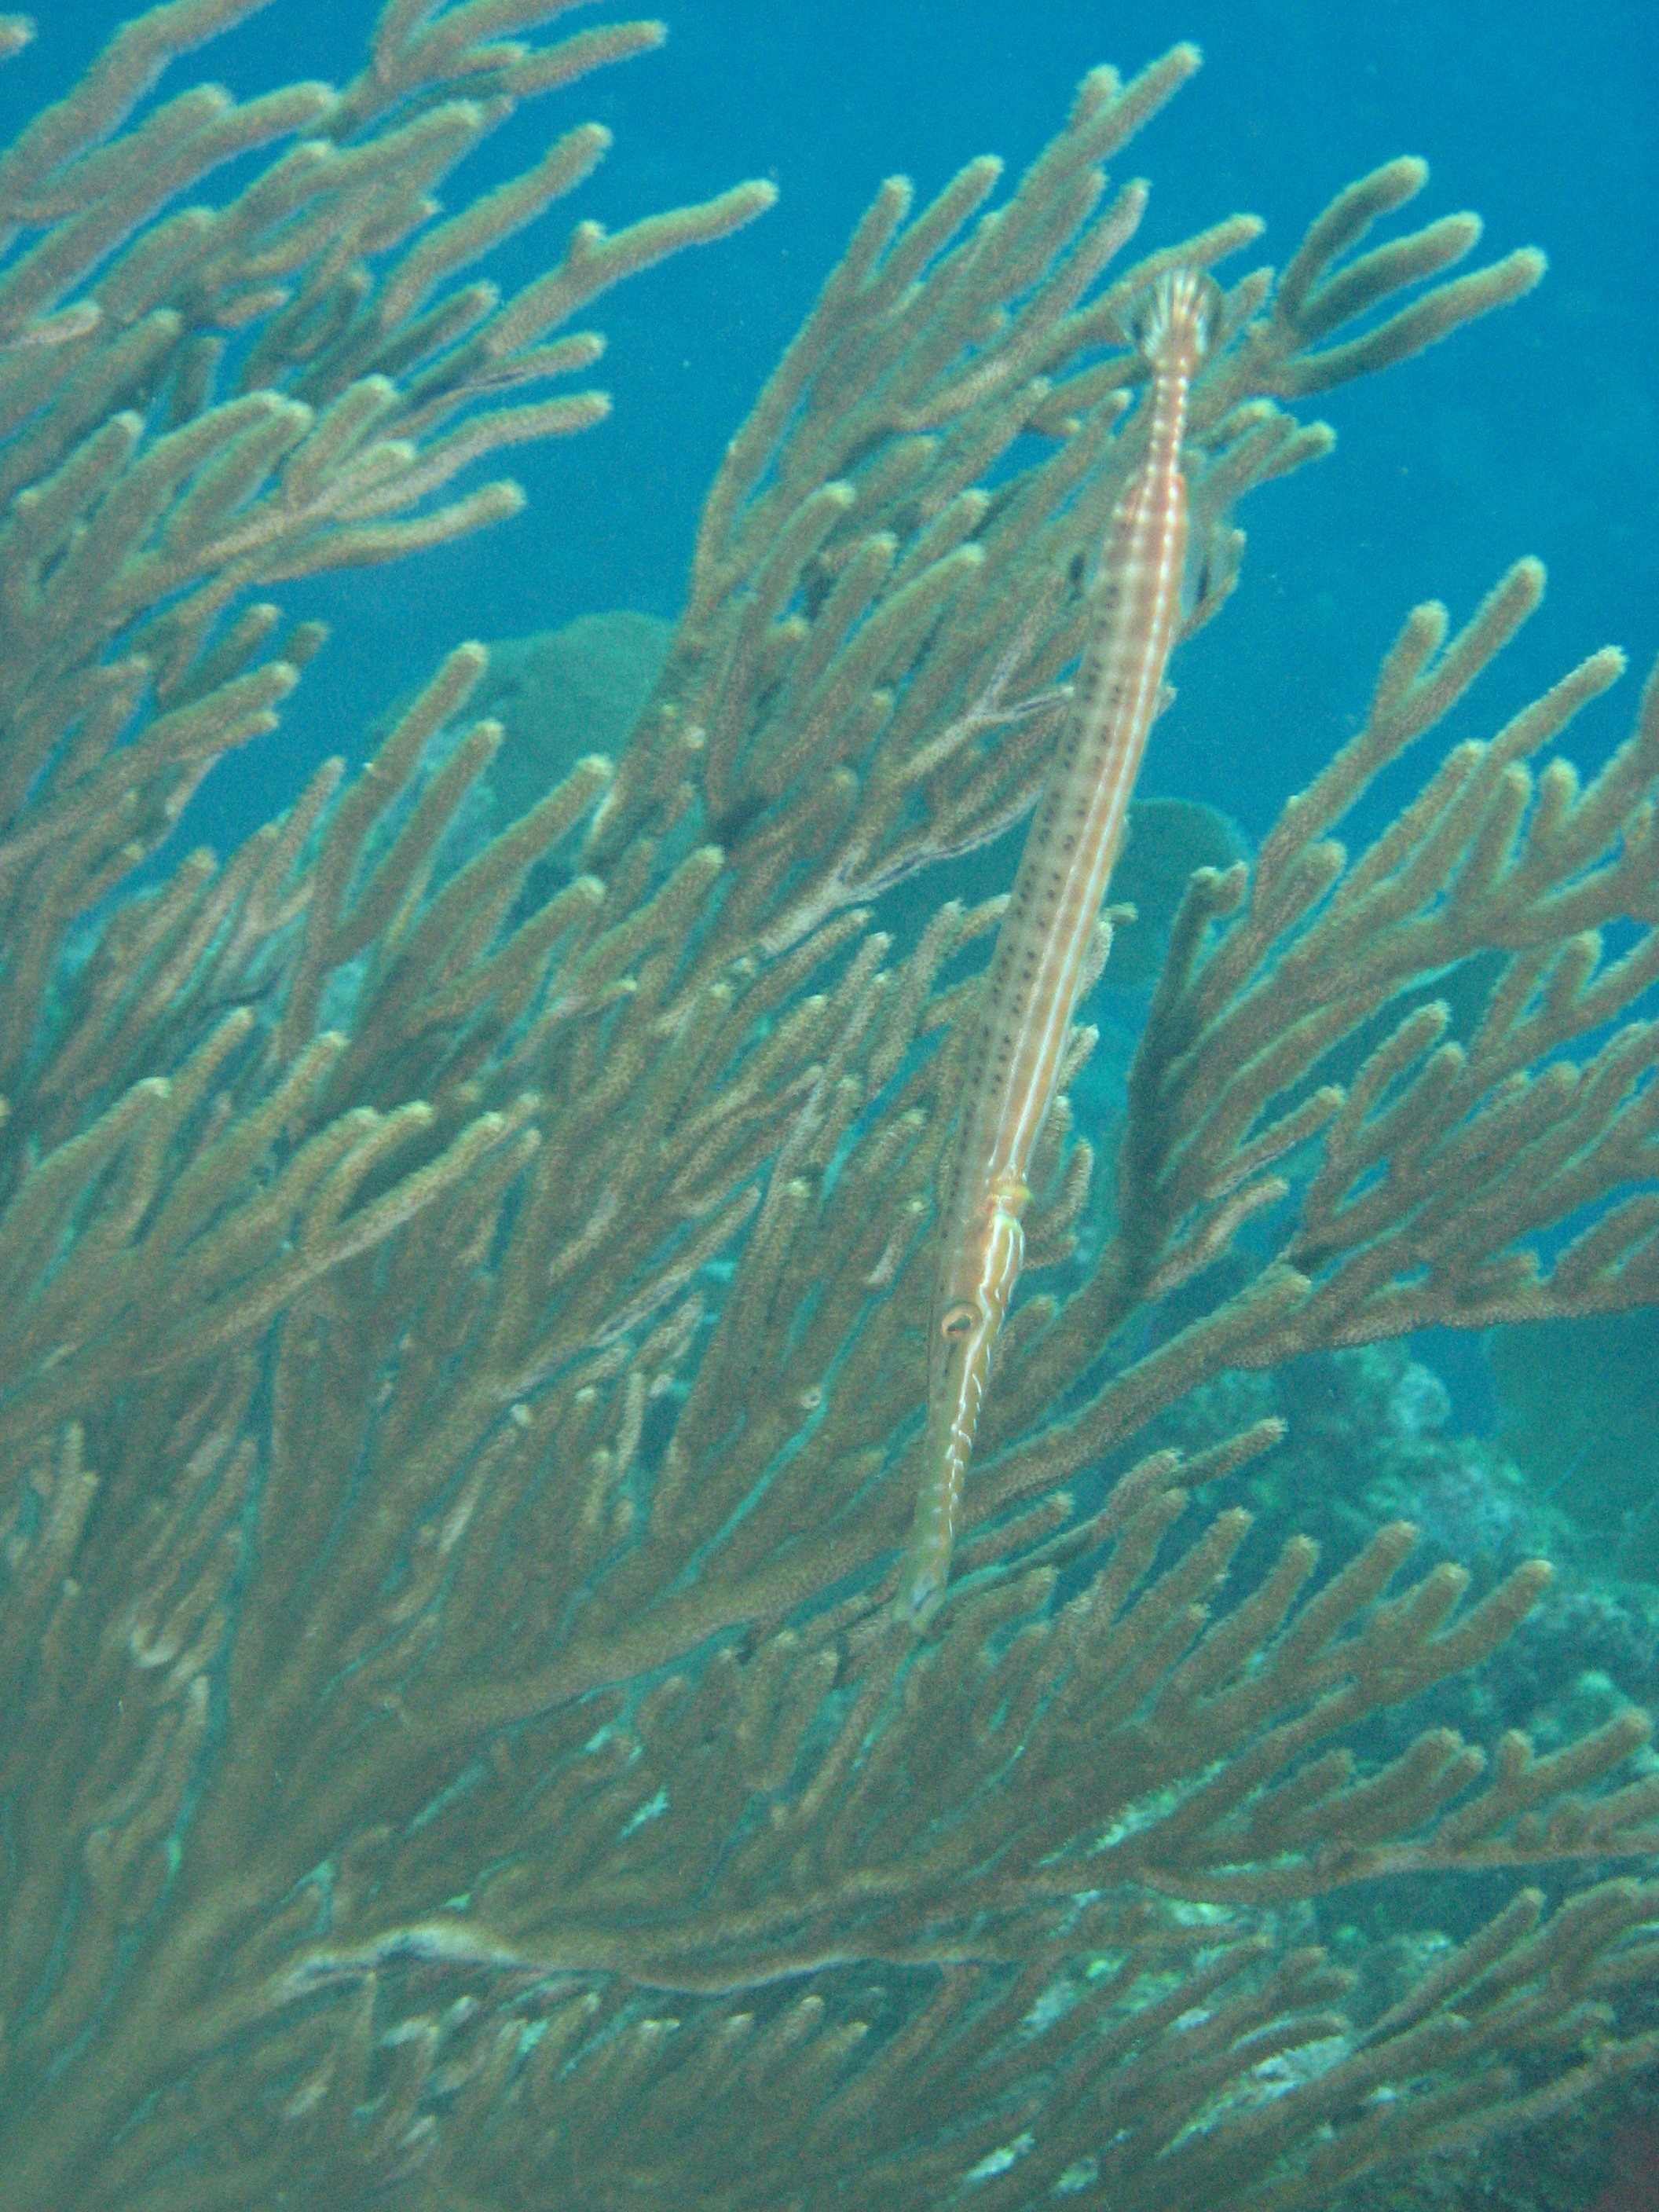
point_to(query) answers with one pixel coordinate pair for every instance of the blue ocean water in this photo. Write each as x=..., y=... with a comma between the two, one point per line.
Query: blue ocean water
x=1538, y=432
x=1535, y=432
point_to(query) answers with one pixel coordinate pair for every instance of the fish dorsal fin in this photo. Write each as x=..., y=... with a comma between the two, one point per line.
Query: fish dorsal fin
x=1215, y=551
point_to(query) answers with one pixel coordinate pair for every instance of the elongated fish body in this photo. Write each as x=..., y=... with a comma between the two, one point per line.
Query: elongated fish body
x=1073, y=841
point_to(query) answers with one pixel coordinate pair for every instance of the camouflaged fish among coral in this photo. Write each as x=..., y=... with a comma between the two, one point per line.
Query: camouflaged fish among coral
x=478, y=1728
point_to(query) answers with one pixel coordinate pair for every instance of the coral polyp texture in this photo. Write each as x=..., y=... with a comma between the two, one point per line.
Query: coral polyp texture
x=463, y=1342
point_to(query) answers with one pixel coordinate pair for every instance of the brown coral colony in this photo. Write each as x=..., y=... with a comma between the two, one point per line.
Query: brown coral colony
x=464, y=1332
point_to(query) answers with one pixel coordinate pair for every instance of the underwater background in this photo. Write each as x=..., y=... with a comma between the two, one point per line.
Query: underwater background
x=1537, y=432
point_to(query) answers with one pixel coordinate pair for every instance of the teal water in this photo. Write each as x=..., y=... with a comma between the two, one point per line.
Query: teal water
x=1538, y=432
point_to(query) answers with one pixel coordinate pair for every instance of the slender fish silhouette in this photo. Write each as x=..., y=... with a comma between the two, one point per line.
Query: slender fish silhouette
x=1063, y=873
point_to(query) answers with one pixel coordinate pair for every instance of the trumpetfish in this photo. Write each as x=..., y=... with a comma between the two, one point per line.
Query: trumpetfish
x=1073, y=842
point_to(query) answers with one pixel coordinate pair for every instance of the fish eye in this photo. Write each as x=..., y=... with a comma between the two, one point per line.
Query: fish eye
x=956, y=1324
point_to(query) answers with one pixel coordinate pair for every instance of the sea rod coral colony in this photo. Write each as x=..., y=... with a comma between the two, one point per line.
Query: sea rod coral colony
x=465, y=1329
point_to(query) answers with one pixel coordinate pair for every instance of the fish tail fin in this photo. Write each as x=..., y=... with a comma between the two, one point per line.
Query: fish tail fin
x=1179, y=313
